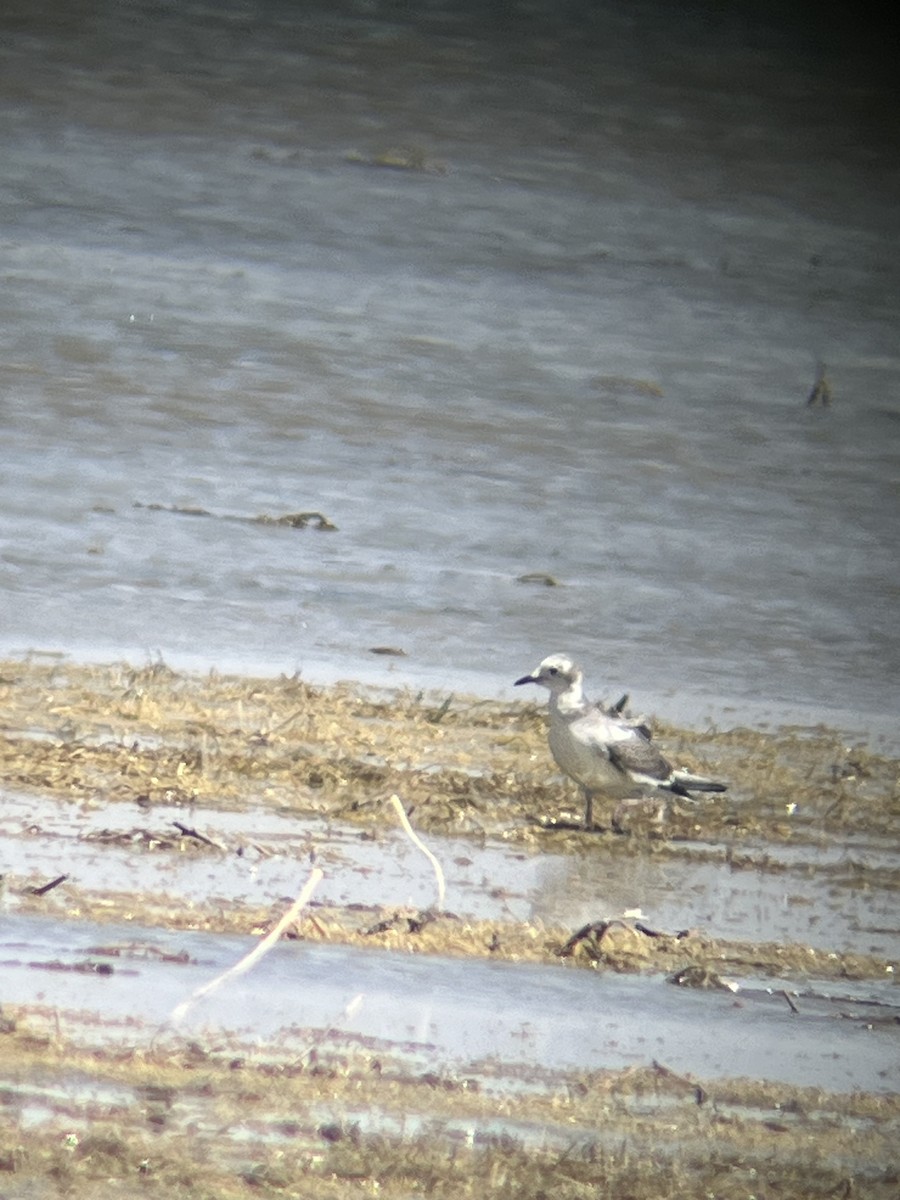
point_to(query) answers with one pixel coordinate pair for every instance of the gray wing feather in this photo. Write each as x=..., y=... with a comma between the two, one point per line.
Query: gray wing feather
x=638, y=756
x=622, y=744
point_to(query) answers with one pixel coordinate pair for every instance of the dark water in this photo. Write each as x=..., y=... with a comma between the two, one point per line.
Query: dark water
x=577, y=339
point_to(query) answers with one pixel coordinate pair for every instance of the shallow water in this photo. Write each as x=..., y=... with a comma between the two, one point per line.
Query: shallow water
x=830, y=899
x=454, y=1013
x=579, y=342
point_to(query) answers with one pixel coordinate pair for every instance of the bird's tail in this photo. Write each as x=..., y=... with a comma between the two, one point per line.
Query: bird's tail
x=683, y=783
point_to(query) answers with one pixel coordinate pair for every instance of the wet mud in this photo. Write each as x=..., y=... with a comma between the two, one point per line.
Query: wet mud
x=702, y=1001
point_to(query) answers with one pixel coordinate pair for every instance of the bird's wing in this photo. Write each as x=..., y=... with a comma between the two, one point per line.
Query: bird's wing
x=626, y=747
x=638, y=756
x=618, y=712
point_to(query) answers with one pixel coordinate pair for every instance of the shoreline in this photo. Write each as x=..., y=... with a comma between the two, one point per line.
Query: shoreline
x=116, y=757
x=878, y=730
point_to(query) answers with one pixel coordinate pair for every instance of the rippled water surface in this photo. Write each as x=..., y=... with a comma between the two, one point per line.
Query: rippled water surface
x=847, y=909
x=575, y=338
x=438, y=1011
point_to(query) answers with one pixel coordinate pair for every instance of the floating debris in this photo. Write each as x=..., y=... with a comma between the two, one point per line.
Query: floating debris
x=699, y=976
x=538, y=577
x=623, y=385
x=299, y=520
x=400, y=158
x=820, y=395
x=614, y=941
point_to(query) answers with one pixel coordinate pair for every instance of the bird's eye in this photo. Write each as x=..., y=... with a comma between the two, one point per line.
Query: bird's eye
x=553, y=671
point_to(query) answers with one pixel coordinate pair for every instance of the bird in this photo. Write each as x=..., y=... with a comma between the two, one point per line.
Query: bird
x=602, y=750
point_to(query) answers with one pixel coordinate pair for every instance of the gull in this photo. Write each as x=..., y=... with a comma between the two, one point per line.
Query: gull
x=599, y=748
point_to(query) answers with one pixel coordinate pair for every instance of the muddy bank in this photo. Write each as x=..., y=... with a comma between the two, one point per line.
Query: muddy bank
x=150, y=736
x=536, y=1010
x=126, y=780
x=212, y=1120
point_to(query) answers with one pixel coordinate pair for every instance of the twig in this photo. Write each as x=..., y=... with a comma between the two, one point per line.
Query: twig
x=288, y=720
x=48, y=887
x=700, y=1096
x=420, y=845
x=436, y=717
x=249, y=960
x=186, y=831
x=791, y=1005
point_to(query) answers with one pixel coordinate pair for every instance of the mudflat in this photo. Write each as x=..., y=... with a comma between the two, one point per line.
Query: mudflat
x=156, y=826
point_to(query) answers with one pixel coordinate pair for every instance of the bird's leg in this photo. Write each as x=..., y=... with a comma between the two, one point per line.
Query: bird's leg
x=588, y=822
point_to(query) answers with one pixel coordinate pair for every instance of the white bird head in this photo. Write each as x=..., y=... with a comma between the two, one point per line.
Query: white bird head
x=557, y=673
